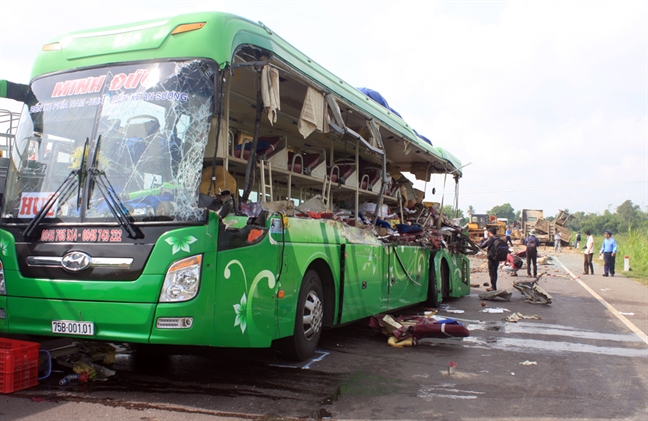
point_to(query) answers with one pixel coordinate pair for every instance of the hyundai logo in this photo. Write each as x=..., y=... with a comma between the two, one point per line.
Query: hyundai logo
x=76, y=261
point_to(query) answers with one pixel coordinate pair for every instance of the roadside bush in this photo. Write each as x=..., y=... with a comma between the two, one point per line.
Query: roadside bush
x=635, y=245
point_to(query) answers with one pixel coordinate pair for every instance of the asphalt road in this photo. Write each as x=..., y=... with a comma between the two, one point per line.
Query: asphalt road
x=585, y=358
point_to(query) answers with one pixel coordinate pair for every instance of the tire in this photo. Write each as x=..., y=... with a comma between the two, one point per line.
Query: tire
x=445, y=280
x=433, y=296
x=309, y=320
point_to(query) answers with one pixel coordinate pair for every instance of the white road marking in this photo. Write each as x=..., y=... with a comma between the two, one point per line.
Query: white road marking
x=446, y=391
x=614, y=311
x=524, y=345
x=560, y=331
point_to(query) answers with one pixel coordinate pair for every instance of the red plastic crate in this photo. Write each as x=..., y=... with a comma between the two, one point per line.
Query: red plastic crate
x=18, y=365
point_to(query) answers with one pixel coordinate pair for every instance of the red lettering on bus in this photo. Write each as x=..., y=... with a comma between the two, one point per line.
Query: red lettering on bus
x=26, y=205
x=96, y=83
x=117, y=81
x=134, y=79
x=61, y=89
x=78, y=86
x=82, y=86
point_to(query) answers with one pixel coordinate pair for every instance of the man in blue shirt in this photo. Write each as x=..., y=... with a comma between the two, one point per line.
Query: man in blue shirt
x=508, y=236
x=608, y=250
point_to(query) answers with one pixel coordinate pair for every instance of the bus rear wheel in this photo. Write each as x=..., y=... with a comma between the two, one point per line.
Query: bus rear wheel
x=308, y=320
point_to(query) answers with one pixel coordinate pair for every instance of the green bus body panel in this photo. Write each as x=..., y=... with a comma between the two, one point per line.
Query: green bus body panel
x=409, y=267
x=297, y=259
x=245, y=296
x=218, y=40
x=365, y=286
x=131, y=323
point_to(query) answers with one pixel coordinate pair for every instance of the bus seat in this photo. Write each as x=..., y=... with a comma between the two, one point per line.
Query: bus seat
x=266, y=147
x=369, y=177
x=306, y=160
x=342, y=170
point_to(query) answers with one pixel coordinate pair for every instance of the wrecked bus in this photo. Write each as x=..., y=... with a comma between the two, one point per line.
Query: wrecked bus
x=198, y=181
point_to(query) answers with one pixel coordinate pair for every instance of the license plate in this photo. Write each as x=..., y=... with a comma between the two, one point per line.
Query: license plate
x=70, y=327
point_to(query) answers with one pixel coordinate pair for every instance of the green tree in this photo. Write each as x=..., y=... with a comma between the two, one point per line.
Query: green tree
x=628, y=215
x=575, y=221
x=503, y=211
x=471, y=210
x=451, y=213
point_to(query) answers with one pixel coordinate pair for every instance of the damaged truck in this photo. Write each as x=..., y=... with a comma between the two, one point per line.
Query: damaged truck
x=198, y=181
x=533, y=219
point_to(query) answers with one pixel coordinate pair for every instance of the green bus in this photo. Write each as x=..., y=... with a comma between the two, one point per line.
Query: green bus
x=196, y=180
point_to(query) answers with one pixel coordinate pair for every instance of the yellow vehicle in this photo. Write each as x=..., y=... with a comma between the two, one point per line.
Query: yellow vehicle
x=480, y=221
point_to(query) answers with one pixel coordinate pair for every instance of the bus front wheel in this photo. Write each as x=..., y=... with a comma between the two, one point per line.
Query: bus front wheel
x=308, y=321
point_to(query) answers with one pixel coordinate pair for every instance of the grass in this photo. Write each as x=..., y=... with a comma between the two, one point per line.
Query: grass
x=634, y=244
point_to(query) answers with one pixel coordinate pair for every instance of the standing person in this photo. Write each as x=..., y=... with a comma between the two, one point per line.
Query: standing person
x=531, y=243
x=588, y=267
x=493, y=264
x=578, y=238
x=557, y=241
x=508, y=236
x=608, y=250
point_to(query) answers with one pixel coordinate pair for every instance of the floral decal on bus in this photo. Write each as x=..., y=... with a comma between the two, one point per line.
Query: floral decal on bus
x=240, y=310
x=181, y=243
x=243, y=309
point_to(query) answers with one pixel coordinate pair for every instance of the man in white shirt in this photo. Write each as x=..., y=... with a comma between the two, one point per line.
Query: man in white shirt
x=588, y=267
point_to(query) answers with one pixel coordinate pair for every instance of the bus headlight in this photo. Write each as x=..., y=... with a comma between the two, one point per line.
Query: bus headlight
x=182, y=280
x=3, y=286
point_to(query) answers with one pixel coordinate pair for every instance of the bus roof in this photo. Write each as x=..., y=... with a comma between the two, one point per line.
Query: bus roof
x=219, y=39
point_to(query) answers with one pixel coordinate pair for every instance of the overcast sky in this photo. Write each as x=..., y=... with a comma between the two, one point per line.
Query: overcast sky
x=545, y=100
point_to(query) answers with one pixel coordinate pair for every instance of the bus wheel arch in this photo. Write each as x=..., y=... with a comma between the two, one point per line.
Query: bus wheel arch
x=445, y=278
x=328, y=288
x=443, y=273
x=314, y=311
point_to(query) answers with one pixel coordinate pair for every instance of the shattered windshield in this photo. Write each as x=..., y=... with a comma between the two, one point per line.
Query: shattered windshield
x=143, y=128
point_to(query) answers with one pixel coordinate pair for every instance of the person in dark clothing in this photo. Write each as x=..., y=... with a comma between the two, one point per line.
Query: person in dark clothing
x=531, y=243
x=609, y=250
x=493, y=264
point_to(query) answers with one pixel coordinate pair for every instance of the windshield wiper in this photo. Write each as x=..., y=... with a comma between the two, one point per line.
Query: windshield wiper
x=98, y=178
x=62, y=192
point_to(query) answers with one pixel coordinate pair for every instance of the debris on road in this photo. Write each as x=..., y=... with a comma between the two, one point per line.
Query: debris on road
x=406, y=330
x=527, y=362
x=495, y=310
x=82, y=358
x=519, y=316
x=504, y=294
x=533, y=293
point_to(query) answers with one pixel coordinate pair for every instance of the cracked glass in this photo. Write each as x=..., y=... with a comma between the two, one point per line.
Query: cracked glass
x=141, y=129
